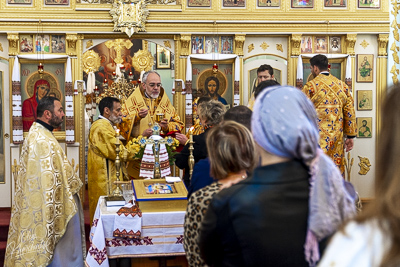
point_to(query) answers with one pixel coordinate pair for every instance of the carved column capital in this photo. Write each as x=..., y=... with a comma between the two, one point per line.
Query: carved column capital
x=185, y=44
x=13, y=39
x=351, y=39
x=239, y=44
x=383, y=40
x=296, y=44
x=71, y=38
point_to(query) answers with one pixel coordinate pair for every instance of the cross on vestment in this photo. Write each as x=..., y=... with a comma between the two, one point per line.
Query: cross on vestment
x=118, y=44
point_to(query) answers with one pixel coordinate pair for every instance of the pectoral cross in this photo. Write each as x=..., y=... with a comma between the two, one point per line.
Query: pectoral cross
x=118, y=44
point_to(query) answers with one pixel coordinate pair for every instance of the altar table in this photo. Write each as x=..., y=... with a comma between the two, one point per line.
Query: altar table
x=162, y=235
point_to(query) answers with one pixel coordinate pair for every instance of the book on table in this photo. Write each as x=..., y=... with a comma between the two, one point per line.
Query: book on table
x=112, y=201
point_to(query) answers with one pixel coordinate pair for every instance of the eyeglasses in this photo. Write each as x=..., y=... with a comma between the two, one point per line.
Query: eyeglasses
x=152, y=85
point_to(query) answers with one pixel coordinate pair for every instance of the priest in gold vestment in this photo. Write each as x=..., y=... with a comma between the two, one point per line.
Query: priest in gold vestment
x=101, y=154
x=335, y=108
x=46, y=227
x=143, y=106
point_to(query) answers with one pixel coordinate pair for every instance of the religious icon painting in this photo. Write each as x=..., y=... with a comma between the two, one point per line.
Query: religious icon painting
x=42, y=43
x=364, y=100
x=211, y=45
x=57, y=2
x=335, y=3
x=269, y=3
x=26, y=43
x=199, y=3
x=302, y=3
x=233, y=3
x=19, y=2
x=197, y=45
x=163, y=58
x=226, y=45
x=306, y=44
x=365, y=68
x=320, y=44
x=364, y=126
x=369, y=4
x=335, y=45
x=58, y=43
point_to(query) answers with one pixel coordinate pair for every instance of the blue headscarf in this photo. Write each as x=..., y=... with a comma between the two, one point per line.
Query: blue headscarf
x=284, y=123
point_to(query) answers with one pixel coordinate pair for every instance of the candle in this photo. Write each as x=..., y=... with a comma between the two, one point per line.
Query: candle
x=114, y=73
x=105, y=80
x=191, y=134
x=96, y=88
x=117, y=132
x=122, y=67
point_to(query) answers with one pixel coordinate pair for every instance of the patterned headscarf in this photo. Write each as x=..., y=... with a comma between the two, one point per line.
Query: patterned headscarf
x=284, y=123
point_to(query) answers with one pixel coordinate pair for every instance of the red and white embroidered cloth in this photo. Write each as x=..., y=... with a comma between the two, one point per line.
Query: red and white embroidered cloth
x=161, y=235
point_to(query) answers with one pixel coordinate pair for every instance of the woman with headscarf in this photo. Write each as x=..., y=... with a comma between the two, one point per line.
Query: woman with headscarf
x=295, y=198
x=40, y=90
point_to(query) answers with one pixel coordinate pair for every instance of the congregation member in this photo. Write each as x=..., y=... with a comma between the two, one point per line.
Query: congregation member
x=211, y=114
x=201, y=176
x=263, y=85
x=144, y=105
x=295, y=198
x=335, y=108
x=264, y=73
x=373, y=238
x=231, y=152
x=198, y=127
x=45, y=227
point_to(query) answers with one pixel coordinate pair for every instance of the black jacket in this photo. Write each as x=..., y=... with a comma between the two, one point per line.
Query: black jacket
x=261, y=221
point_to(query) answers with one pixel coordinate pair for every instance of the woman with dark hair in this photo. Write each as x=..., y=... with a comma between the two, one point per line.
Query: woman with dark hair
x=373, y=238
x=211, y=86
x=231, y=152
x=40, y=90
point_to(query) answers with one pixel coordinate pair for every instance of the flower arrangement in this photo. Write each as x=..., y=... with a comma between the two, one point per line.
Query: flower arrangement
x=137, y=145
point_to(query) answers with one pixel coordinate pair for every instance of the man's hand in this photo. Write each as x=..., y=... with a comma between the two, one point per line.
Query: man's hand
x=164, y=125
x=147, y=132
x=143, y=112
x=348, y=144
x=181, y=138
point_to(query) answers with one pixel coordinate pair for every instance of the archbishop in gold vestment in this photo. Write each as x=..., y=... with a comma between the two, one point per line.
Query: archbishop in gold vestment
x=336, y=116
x=101, y=161
x=137, y=101
x=44, y=205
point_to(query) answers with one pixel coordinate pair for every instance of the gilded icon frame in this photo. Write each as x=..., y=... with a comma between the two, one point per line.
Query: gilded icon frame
x=364, y=130
x=365, y=68
x=364, y=100
x=163, y=58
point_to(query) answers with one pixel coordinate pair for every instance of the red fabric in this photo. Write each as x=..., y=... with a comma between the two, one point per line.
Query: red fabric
x=29, y=107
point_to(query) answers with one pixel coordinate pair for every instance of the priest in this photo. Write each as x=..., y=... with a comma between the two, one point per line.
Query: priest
x=46, y=227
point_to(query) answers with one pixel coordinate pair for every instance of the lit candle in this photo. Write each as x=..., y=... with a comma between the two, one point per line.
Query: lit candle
x=191, y=134
x=105, y=80
x=122, y=67
x=114, y=73
x=96, y=88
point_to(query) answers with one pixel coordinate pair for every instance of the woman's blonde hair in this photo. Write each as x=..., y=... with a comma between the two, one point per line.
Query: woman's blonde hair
x=211, y=112
x=231, y=149
x=386, y=206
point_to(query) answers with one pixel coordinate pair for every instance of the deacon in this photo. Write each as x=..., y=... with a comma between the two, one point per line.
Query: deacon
x=101, y=154
x=45, y=227
x=335, y=108
x=144, y=106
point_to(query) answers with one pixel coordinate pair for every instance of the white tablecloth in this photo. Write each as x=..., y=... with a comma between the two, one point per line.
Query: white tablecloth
x=162, y=235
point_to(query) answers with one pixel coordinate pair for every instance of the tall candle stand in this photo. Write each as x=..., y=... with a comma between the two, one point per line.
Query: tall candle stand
x=117, y=191
x=191, y=157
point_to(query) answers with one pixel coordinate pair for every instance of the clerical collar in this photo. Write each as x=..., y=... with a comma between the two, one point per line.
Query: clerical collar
x=45, y=125
x=102, y=117
x=324, y=73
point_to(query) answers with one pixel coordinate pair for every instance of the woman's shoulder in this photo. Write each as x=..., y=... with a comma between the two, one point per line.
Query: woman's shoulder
x=358, y=244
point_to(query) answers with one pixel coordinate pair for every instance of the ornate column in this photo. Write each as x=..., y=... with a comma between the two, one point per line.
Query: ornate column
x=351, y=39
x=239, y=43
x=381, y=77
x=295, y=51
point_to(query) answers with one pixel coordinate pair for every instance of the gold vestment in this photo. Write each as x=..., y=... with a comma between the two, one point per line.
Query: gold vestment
x=44, y=202
x=336, y=116
x=101, y=162
x=161, y=104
